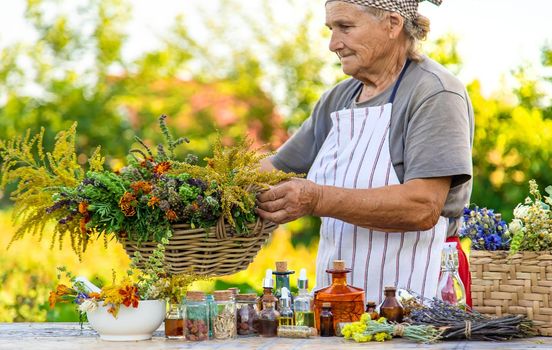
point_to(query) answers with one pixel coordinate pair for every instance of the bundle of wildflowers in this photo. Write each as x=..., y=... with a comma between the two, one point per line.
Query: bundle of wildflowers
x=532, y=224
x=380, y=330
x=140, y=202
x=150, y=282
x=485, y=229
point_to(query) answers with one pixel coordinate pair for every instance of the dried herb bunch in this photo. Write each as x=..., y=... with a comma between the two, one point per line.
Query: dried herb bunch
x=141, y=201
x=468, y=324
x=233, y=173
x=532, y=223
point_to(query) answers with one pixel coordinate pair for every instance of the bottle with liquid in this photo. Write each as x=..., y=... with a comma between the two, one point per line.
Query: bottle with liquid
x=268, y=318
x=450, y=288
x=347, y=301
x=391, y=308
x=174, y=322
x=286, y=315
x=326, y=321
x=371, y=310
x=303, y=303
x=282, y=280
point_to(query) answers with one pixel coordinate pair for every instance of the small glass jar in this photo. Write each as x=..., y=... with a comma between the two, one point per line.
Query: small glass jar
x=196, y=317
x=174, y=322
x=248, y=315
x=224, y=318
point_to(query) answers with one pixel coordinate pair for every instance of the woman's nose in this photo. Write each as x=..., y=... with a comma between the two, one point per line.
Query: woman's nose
x=335, y=43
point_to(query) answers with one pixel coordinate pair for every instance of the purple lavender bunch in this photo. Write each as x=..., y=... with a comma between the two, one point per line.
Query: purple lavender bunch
x=485, y=228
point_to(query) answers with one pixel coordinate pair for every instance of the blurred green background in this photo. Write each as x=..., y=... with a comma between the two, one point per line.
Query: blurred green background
x=261, y=80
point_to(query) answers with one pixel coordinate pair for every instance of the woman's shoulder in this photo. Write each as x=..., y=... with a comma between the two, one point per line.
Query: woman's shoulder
x=432, y=77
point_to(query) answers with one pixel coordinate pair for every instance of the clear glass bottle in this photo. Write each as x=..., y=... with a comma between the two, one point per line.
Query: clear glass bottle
x=450, y=287
x=196, y=317
x=282, y=280
x=347, y=301
x=303, y=303
x=327, y=326
x=268, y=317
x=286, y=315
x=174, y=322
x=248, y=315
x=391, y=308
x=224, y=320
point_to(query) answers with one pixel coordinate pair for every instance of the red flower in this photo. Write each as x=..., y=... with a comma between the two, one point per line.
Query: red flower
x=171, y=215
x=130, y=295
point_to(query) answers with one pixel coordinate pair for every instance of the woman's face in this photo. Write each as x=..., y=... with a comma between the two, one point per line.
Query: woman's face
x=360, y=40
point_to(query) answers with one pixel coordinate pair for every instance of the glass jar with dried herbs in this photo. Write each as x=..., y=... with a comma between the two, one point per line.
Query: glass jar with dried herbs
x=247, y=314
x=224, y=317
x=196, y=317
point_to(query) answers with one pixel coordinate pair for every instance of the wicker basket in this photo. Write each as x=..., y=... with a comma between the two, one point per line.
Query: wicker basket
x=215, y=251
x=517, y=284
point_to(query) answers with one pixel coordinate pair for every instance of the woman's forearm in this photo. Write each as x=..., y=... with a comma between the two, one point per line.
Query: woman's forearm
x=415, y=205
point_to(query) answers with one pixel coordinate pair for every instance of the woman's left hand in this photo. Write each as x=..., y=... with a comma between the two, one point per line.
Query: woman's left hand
x=288, y=200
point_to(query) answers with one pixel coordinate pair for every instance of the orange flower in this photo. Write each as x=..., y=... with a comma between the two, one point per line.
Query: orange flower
x=62, y=289
x=162, y=168
x=153, y=201
x=127, y=203
x=171, y=215
x=83, y=207
x=130, y=294
x=94, y=295
x=143, y=186
x=53, y=298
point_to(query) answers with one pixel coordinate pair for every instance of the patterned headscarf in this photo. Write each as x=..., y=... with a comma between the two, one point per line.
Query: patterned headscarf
x=406, y=8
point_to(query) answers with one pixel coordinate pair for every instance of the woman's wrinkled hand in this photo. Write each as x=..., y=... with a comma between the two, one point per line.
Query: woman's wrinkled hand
x=289, y=200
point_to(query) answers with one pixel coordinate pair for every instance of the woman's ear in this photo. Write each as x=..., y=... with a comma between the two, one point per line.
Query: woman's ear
x=396, y=23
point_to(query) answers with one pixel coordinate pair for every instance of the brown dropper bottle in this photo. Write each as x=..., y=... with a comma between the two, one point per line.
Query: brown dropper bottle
x=391, y=308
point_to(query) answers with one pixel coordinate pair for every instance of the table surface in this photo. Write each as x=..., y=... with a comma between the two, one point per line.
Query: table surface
x=57, y=336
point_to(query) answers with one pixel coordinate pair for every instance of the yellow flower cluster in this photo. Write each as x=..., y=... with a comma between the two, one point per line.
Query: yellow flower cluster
x=357, y=330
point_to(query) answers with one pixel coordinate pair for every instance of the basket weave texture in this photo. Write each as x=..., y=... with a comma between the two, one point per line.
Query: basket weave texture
x=517, y=284
x=213, y=251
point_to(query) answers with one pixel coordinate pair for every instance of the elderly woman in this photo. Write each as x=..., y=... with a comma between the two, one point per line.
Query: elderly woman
x=387, y=152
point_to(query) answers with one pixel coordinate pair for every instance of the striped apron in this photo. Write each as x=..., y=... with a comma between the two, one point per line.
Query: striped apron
x=356, y=154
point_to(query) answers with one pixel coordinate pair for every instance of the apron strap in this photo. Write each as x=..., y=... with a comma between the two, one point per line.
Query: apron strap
x=358, y=89
x=396, y=87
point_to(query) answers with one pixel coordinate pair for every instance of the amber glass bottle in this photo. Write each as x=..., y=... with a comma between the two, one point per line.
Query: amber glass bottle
x=326, y=321
x=347, y=301
x=391, y=308
x=371, y=310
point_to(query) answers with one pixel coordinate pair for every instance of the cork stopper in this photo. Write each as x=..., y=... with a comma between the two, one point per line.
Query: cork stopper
x=339, y=265
x=195, y=296
x=326, y=304
x=390, y=289
x=281, y=266
x=235, y=291
x=371, y=304
x=246, y=297
x=222, y=295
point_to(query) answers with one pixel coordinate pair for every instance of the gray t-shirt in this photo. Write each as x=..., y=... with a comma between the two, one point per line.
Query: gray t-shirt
x=431, y=132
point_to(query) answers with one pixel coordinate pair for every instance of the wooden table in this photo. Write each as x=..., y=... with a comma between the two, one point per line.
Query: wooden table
x=58, y=336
